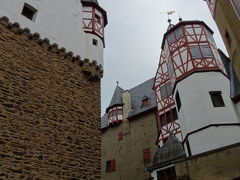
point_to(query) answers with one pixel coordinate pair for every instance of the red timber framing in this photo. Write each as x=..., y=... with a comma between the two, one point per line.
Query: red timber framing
x=165, y=103
x=195, y=50
x=188, y=47
x=212, y=6
x=93, y=21
x=115, y=115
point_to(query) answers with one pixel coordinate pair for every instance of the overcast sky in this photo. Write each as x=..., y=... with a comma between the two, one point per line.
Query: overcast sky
x=133, y=38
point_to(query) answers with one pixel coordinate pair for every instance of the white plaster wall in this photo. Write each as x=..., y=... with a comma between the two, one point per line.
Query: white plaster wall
x=93, y=52
x=213, y=138
x=237, y=108
x=197, y=110
x=58, y=20
x=154, y=174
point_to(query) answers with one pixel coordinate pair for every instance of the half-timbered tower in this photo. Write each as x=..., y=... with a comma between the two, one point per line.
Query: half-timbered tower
x=76, y=25
x=192, y=90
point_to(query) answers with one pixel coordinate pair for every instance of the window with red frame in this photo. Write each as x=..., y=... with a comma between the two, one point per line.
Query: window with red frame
x=168, y=117
x=120, y=136
x=111, y=165
x=145, y=102
x=146, y=155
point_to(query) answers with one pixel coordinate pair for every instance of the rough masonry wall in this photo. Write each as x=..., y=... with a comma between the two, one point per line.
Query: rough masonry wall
x=227, y=20
x=221, y=165
x=49, y=114
x=128, y=152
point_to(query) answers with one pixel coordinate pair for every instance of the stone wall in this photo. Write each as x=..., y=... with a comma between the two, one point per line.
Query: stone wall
x=227, y=20
x=220, y=165
x=49, y=110
x=128, y=152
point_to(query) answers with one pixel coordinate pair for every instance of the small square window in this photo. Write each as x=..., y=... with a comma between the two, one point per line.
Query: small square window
x=29, y=12
x=111, y=165
x=178, y=101
x=120, y=136
x=94, y=42
x=146, y=155
x=195, y=51
x=217, y=99
x=145, y=102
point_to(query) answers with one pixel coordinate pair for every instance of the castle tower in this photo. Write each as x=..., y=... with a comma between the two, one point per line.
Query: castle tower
x=192, y=75
x=77, y=26
x=115, y=108
x=50, y=80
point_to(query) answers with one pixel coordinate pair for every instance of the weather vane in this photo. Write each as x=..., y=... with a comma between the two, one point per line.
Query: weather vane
x=168, y=14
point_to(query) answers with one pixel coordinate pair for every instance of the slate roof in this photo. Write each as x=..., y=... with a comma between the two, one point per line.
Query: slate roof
x=172, y=150
x=138, y=93
x=116, y=98
x=94, y=1
x=234, y=82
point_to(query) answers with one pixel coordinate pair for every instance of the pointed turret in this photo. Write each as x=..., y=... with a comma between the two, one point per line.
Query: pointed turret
x=115, y=108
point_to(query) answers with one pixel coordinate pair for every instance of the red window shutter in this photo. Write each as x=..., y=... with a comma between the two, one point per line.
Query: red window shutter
x=146, y=155
x=113, y=165
x=120, y=136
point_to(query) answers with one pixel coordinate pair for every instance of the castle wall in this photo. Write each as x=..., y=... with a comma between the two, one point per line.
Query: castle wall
x=220, y=165
x=128, y=152
x=227, y=20
x=49, y=113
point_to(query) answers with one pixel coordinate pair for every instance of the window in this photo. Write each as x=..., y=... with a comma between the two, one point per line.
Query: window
x=145, y=102
x=178, y=101
x=206, y=51
x=120, y=136
x=175, y=115
x=29, y=12
x=166, y=90
x=188, y=148
x=167, y=174
x=217, y=99
x=179, y=33
x=228, y=38
x=171, y=38
x=146, y=155
x=170, y=69
x=165, y=140
x=94, y=42
x=195, y=51
x=111, y=165
x=119, y=112
x=163, y=92
x=98, y=19
x=163, y=121
x=168, y=117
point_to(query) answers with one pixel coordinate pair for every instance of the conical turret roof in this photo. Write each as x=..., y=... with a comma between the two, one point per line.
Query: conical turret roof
x=116, y=98
x=171, y=150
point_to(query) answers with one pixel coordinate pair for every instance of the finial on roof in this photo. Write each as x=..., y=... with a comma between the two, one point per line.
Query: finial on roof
x=180, y=19
x=117, y=82
x=169, y=20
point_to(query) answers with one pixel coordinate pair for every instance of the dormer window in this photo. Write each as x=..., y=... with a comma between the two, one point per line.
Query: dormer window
x=145, y=101
x=29, y=12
